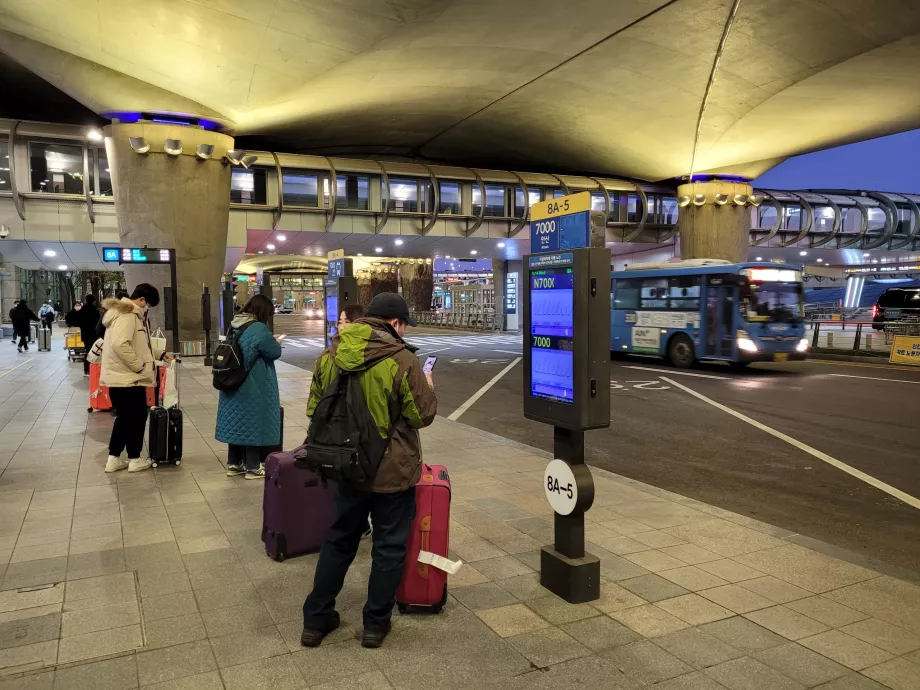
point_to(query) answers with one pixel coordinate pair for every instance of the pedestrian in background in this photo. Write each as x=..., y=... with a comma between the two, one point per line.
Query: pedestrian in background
x=86, y=319
x=128, y=369
x=249, y=418
x=46, y=314
x=22, y=318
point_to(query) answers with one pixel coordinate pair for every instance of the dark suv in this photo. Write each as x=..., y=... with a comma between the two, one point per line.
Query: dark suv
x=896, y=304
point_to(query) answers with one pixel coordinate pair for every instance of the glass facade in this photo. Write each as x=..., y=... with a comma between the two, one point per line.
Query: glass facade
x=56, y=168
x=300, y=188
x=404, y=195
x=4, y=165
x=352, y=192
x=450, y=198
x=247, y=186
x=105, y=176
x=534, y=196
x=495, y=201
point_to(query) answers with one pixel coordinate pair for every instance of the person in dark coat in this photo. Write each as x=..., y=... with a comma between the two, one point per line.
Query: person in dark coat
x=249, y=418
x=22, y=316
x=86, y=320
x=72, y=317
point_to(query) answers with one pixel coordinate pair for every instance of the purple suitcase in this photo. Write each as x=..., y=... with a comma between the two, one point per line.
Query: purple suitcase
x=297, y=508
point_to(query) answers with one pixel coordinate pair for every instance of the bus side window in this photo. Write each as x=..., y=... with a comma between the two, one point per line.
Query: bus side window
x=626, y=294
x=654, y=293
x=685, y=292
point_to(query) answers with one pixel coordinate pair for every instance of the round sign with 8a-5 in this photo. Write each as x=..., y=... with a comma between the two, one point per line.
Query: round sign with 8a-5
x=560, y=487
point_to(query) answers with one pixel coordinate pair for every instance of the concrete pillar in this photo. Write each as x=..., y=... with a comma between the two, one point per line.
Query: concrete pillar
x=499, y=272
x=9, y=289
x=714, y=231
x=417, y=285
x=178, y=202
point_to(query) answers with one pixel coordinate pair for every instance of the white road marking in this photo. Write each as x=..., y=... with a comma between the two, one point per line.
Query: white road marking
x=16, y=367
x=292, y=343
x=509, y=352
x=872, y=378
x=680, y=373
x=455, y=415
x=430, y=352
x=824, y=457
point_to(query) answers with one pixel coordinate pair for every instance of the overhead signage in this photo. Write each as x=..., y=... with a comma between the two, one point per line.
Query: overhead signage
x=511, y=281
x=136, y=255
x=563, y=223
x=905, y=350
x=336, y=266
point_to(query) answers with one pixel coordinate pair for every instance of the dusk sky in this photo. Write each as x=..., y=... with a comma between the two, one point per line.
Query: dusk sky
x=889, y=164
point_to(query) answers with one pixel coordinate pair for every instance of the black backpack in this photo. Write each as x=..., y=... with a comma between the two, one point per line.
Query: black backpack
x=229, y=371
x=343, y=444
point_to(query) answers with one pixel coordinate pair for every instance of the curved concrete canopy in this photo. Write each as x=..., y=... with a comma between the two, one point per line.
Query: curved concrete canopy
x=606, y=86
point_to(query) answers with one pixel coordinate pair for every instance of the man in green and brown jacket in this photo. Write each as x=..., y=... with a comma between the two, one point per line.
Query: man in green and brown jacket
x=401, y=401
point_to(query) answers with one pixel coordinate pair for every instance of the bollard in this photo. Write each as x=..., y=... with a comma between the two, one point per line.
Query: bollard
x=868, y=341
x=830, y=340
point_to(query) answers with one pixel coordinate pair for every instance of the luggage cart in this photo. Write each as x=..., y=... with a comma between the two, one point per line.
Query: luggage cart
x=73, y=343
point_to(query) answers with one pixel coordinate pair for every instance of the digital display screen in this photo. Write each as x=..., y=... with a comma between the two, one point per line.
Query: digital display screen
x=135, y=255
x=552, y=329
x=332, y=308
x=110, y=254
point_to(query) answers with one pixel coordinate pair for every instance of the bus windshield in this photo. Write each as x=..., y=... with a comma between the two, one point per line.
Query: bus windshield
x=778, y=302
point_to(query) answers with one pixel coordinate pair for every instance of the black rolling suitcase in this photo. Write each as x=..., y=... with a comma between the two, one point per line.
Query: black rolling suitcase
x=165, y=438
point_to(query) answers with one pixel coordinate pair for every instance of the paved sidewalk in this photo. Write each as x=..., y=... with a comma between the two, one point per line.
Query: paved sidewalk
x=159, y=579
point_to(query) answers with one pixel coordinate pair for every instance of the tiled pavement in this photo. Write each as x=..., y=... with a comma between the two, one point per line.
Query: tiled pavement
x=159, y=579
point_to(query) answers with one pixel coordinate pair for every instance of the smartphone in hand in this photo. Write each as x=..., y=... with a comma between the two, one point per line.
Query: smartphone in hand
x=429, y=365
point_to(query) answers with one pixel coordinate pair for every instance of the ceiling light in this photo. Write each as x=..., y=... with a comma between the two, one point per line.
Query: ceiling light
x=683, y=201
x=62, y=267
x=281, y=238
x=139, y=144
x=94, y=135
x=447, y=256
x=474, y=252
x=50, y=252
x=741, y=199
x=721, y=199
x=756, y=199
x=359, y=254
x=204, y=151
x=866, y=254
x=270, y=247
x=699, y=199
x=260, y=252
x=501, y=245
x=398, y=243
x=803, y=253
x=759, y=258
x=378, y=249
x=173, y=147
x=820, y=261
x=248, y=161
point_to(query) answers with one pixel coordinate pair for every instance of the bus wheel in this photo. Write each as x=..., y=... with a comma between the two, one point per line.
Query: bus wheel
x=680, y=351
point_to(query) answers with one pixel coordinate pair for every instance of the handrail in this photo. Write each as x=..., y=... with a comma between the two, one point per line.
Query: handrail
x=863, y=225
x=565, y=187
x=17, y=200
x=641, y=225
x=778, y=207
x=806, y=224
x=838, y=222
x=482, y=206
x=915, y=225
x=334, y=194
x=891, y=220
x=436, y=189
x=90, y=211
x=279, y=209
x=385, y=203
x=526, y=212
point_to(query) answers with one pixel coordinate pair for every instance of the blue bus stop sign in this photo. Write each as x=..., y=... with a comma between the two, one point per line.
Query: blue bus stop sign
x=563, y=223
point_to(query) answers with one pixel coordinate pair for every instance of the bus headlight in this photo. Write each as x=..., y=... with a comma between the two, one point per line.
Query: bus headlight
x=746, y=344
x=802, y=345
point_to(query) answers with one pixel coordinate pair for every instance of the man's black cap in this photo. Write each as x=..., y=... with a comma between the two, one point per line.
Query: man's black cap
x=389, y=305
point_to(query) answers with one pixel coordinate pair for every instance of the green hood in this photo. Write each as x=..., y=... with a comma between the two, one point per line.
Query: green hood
x=365, y=342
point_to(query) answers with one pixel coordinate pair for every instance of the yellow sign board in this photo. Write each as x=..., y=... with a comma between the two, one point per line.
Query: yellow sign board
x=905, y=350
x=563, y=206
x=336, y=254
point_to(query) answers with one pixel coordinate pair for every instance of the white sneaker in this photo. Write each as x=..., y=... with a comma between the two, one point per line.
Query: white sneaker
x=113, y=464
x=139, y=465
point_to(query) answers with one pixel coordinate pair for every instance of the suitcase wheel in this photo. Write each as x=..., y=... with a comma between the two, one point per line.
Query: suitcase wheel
x=403, y=608
x=89, y=409
x=178, y=462
x=154, y=464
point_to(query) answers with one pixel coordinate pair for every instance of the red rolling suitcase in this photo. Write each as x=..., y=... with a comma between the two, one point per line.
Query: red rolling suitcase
x=297, y=507
x=423, y=586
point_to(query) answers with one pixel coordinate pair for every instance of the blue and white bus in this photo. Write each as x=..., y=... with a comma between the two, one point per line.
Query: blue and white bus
x=709, y=309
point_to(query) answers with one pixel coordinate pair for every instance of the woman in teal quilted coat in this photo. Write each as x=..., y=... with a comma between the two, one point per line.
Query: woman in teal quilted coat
x=249, y=418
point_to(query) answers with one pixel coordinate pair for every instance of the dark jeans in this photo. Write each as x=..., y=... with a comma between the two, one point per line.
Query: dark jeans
x=250, y=456
x=392, y=517
x=86, y=366
x=130, y=405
